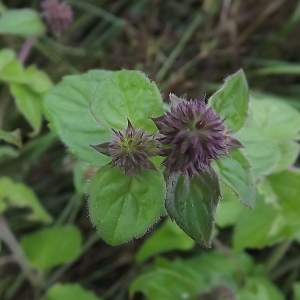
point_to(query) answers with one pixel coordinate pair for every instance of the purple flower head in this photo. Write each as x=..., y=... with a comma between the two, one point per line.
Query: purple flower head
x=130, y=150
x=58, y=16
x=192, y=136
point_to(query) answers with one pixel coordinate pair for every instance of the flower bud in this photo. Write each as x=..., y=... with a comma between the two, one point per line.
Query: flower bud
x=130, y=150
x=58, y=16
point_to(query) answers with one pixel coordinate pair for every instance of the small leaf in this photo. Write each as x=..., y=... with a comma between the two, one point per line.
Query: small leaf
x=67, y=108
x=61, y=291
x=123, y=207
x=126, y=95
x=166, y=238
x=19, y=195
x=192, y=204
x=24, y=22
x=235, y=171
x=11, y=137
x=29, y=104
x=50, y=247
x=232, y=100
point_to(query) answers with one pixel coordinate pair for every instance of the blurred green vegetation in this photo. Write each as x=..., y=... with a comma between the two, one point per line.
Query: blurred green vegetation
x=186, y=47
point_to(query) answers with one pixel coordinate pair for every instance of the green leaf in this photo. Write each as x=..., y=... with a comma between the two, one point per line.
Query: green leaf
x=13, y=72
x=260, y=288
x=126, y=95
x=276, y=217
x=38, y=80
x=259, y=227
x=123, y=207
x=287, y=188
x=192, y=204
x=263, y=153
x=91, y=75
x=278, y=120
x=235, y=171
x=29, y=104
x=6, y=56
x=20, y=195
x=228, y=208
x=67, y=108
x=24, y=22
x=289, y=153
x=168, y=283
x=166, y=238
x=296, y=289
x=50, y=247
x=11, y=137
x=232, y=100
x=61, y=291
x=214, y=264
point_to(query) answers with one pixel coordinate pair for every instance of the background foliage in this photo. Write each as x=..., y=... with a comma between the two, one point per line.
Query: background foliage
x=186, y=47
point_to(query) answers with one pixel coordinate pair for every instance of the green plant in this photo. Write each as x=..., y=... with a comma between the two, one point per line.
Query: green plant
x=126, y=197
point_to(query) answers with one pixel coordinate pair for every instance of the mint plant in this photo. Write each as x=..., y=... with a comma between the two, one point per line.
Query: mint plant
x=152, y=162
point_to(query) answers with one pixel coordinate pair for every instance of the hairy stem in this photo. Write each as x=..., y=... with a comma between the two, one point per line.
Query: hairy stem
x=9, y=239
x=26, y=48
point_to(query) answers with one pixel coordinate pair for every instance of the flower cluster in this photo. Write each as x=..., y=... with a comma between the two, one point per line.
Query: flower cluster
x=58, y=16
x=192, y=136
x=130, y=150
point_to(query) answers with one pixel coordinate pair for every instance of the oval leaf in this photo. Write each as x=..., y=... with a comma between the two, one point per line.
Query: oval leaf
x=235, y=171
x=192, y=204
x=23, y=22
x=232, y=101
x=67, y=109
x=29, y=104
x=123, y=207
x=166, y=238
x=50, y=247
x=127, y=95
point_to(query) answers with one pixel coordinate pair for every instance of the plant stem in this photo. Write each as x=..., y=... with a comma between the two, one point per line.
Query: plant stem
x=277, y=255
x=26, y=48
x=17, y=252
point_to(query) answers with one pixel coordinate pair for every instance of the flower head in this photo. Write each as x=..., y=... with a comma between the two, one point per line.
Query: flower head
x=58, y=16
x=192, y=136
x=130, y=149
